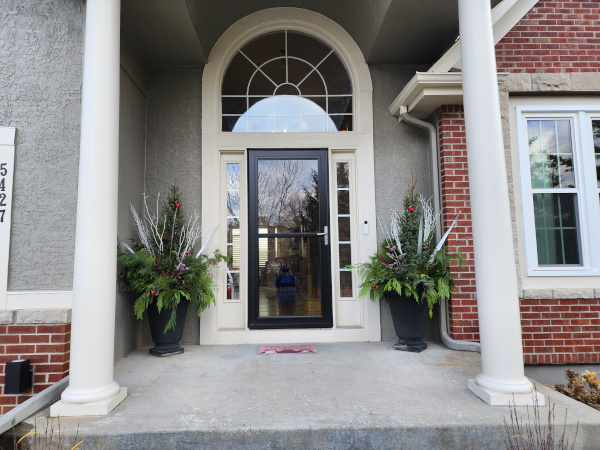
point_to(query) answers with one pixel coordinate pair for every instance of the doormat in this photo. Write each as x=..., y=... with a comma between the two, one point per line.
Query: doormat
x=287, y=348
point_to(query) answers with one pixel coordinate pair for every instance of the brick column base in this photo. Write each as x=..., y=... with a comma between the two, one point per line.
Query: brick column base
x=44, y=337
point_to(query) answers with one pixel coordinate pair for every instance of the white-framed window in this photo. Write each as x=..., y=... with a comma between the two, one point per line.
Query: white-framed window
x=559, y=158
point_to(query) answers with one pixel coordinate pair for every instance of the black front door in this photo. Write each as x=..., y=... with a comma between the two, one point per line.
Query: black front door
x=289, y=251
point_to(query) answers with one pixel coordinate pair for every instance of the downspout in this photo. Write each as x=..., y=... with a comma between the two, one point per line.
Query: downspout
x=435, y=181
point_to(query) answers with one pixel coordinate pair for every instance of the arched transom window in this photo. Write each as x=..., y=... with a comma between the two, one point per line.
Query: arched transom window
x=286, y=81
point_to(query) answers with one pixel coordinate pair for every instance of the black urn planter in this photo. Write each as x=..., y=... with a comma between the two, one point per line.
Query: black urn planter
x=410, y=321
x=166, y=344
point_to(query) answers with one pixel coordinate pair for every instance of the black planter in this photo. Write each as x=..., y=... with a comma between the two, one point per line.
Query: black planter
x=410, y=321
x=166, y=344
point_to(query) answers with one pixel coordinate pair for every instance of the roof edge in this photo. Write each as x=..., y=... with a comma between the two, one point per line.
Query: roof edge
x=504, y=18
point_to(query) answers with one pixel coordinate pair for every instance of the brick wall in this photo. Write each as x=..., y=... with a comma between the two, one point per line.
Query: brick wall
x=565, y=331
x=555, y=36
x=47, y=345
x=455, y=197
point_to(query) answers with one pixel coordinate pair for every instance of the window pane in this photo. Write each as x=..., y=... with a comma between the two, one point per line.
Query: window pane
x=293, y=65
x=345, y=283
x=343, y=202
x=345, y=246
x=596, y=137
x=344, y=228
x=233, y=231
x=556, y=228
x=550, y=154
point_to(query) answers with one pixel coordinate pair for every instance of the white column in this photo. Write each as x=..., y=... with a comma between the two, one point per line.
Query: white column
x=502, y=371
x=92, y=390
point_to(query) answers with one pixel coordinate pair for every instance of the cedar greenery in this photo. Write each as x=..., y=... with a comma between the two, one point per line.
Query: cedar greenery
x=408, y=260
x=161, y=267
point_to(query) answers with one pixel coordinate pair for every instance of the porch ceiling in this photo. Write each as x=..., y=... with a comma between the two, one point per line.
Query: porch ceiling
x=183, y=32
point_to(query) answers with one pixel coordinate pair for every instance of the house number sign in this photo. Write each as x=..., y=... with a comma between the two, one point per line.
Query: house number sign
x=7, y=168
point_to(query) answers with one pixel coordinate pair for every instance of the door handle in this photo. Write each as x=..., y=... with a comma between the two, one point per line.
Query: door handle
x=325, y=233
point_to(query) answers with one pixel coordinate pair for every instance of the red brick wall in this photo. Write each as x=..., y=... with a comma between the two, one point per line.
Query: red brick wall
x=555, y=36
x=561, y=331
x=47, y=346
x=455, y=197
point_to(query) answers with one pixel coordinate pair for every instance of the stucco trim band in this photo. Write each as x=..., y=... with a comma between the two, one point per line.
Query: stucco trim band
x=39, y=300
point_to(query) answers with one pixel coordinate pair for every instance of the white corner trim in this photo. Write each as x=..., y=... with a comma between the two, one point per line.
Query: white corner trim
x=504, y=17
x=7, y=170
x=7, y=135
x=39, y=300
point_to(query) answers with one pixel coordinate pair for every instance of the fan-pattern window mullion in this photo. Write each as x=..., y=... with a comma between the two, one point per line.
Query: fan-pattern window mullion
x=287, y=65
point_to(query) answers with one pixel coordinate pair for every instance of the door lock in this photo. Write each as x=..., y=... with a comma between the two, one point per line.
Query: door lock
x=325, y=233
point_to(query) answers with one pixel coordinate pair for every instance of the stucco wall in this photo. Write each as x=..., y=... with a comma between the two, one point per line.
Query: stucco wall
x=399, y=148
x=173, y=145
x=132, y=138
x=41, y=46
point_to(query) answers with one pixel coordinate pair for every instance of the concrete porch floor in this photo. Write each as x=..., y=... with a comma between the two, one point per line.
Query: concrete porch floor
x=349, y=395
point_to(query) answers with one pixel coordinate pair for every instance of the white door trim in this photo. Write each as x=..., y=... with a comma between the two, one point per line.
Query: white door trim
x=218, y=146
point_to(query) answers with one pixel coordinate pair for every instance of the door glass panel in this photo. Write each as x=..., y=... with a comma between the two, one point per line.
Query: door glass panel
x=290, y=278
x=289, y=250
x=288, y=195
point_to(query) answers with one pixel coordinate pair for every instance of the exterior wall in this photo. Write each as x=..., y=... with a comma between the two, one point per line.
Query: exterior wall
x=401, y=151
x=561, y=331
x=174, y=149
x=554, y=37
x=40, y=95
x=464, y=324
x=132, y=154
x=555, y=48
x=42, y=336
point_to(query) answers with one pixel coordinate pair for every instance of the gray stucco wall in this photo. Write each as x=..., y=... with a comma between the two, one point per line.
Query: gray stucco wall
x=41, y=46
x=132, y=137
x=174, y=149
x=399, y=149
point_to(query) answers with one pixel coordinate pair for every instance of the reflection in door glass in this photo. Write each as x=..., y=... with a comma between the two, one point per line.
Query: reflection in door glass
x=288, y=195
x=233, y=231
x=343, y=214
x=289, y=277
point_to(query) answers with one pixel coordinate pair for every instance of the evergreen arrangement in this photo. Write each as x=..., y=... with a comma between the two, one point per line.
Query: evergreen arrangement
x=408, y=261
x=161, y=267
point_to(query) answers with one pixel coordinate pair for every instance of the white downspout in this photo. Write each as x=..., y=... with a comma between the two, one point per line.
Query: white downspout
x=435, y=181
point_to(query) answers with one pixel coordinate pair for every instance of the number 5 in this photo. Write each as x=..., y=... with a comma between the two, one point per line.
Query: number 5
x=3, y=170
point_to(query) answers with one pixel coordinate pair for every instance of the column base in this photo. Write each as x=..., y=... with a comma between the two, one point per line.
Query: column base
x=494, y=398
x=100, y=408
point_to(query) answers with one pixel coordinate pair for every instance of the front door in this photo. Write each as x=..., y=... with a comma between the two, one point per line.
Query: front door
x=288, y=248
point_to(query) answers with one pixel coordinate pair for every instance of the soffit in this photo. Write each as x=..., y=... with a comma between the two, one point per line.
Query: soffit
x=183, y=32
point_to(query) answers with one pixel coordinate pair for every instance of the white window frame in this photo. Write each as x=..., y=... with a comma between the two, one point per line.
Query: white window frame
x=584, y=168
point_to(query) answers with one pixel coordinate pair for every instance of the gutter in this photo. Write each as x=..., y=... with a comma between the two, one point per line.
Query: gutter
x=34, y=404
x=435, y=180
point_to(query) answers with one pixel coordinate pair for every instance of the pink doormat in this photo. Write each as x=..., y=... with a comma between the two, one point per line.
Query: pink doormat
x=287, y=348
